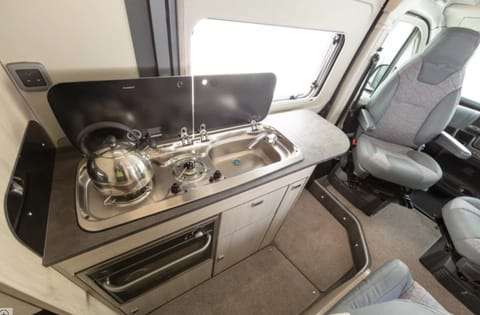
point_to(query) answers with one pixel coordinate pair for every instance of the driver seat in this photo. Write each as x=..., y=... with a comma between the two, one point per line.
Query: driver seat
x=411, y=108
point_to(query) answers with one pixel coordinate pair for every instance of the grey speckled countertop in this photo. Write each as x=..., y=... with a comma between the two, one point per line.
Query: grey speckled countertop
x=318, y=139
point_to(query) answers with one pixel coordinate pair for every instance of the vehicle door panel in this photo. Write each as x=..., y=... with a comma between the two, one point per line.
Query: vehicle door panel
x=462, y=177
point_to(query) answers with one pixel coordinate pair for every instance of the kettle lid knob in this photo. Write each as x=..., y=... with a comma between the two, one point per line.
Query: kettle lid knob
x=111, y=141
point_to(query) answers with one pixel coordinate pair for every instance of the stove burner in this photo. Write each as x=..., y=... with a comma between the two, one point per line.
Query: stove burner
x=190, y=165
x=130, y=199
x=189, y=169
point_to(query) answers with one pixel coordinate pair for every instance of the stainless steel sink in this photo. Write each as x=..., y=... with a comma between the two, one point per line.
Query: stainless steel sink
x=248, y=152
x=241, y=155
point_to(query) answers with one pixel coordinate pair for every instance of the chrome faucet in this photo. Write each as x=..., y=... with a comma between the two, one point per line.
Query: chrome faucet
x=271, y=138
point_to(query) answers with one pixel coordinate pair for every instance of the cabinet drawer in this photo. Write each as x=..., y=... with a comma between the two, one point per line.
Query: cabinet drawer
x=255, y=210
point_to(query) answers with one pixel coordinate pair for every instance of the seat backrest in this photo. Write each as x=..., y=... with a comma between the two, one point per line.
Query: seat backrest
x=416, y=102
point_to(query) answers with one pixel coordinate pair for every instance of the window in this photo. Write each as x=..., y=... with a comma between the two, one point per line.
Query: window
x=400, y=45
x=296, y=56
x=394, y=42
x=470, y=88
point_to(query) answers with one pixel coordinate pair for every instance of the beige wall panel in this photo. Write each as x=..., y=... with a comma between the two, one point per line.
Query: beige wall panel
x=74, y=40
x=20, y=269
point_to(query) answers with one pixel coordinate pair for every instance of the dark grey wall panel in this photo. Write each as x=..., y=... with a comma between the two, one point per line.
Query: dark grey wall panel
x=173, y=32
x=138, y=12
x=158, y=13
x=153, y=26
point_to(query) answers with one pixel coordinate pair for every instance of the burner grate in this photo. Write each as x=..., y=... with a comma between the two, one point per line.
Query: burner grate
x=130, y=199
x=189, y=170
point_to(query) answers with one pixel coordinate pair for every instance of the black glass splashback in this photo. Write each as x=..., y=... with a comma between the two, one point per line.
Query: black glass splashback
x=163, y=104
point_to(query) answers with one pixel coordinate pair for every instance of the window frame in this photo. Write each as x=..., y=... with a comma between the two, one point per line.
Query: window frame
x=421, y=29
x=468, y=102
x=393, y=64
x=325, y=69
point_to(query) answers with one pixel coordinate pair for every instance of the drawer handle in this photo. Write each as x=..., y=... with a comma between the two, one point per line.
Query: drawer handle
x=121, y=288
x=256, y=203
x=296, y=186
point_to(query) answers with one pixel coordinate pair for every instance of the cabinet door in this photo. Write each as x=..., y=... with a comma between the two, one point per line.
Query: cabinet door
x=291, y=196
x=252, y=211
x=242, y=229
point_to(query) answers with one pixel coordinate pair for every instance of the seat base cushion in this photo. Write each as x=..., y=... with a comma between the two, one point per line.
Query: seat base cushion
x=395, y=163
x=462, y=219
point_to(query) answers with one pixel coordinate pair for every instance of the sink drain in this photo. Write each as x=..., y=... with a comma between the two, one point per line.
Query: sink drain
x=236, y=162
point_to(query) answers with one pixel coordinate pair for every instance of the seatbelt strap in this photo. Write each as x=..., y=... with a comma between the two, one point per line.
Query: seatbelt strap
x=351, y=109
x=366, y=76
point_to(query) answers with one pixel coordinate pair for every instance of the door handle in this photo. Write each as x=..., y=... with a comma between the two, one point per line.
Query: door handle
x=256, y=203
x=296, y=186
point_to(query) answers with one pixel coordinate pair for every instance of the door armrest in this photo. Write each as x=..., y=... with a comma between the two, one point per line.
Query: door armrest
x=452, y=145
x=365, y=119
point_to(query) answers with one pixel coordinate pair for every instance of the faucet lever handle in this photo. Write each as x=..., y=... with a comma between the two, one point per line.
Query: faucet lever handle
x=203, y=133
x=184, y=136
x=254, y=125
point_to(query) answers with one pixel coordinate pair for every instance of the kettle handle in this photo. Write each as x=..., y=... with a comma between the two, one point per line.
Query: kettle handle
x=98, y=126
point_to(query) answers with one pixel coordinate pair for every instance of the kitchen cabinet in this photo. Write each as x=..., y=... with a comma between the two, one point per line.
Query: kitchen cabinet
x=248, y=221
x=242, y=228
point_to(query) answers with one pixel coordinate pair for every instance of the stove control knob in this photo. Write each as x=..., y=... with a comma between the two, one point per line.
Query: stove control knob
x=217, y=175
x=175, y=189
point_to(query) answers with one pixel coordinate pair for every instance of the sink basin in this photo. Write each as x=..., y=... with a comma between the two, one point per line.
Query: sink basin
x=239, y=155
x=235, y=158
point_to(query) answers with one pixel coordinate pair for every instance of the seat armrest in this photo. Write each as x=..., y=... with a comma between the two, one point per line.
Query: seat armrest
x=452, y=145
x=366, y=120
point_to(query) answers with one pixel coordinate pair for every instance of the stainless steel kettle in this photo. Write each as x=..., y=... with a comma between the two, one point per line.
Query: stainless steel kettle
x=115, y=164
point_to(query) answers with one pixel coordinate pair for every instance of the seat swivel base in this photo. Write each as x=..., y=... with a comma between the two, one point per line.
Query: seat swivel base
x=440, y=262
x=370, y=195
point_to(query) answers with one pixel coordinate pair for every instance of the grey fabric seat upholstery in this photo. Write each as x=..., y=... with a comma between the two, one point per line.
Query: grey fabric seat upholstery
x=462, y=220
x=396, y=163
x=389, y=290
x=411, y=108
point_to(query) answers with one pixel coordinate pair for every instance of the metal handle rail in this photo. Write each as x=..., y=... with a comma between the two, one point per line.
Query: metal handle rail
x=121, y=288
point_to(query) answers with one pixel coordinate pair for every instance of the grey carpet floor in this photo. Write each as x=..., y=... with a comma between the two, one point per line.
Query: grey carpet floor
x=398, y=232
x=265, y=283
x=315, y=242
x=268, y=282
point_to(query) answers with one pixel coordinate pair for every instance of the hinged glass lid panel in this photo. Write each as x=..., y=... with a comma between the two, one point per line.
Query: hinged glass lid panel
x=161, y=106
x=222, y=101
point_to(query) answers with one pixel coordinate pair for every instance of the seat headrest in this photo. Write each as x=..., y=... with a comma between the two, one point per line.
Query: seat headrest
x=448, y=53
